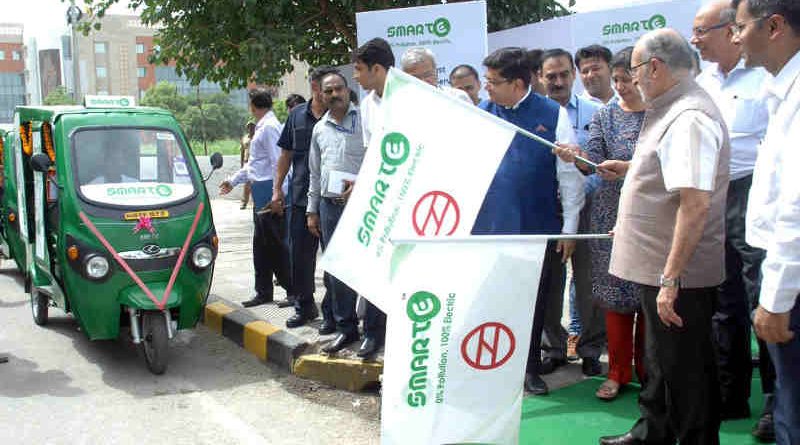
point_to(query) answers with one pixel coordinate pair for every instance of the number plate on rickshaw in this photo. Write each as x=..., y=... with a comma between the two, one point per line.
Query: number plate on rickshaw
x=132, y=216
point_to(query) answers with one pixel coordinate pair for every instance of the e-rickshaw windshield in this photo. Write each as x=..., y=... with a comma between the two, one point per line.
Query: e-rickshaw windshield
x=131, y=167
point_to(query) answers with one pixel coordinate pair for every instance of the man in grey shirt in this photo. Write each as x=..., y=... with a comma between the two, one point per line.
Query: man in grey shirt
x=337, y=150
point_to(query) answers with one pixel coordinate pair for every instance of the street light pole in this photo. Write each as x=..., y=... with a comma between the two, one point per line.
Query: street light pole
x=74, y=15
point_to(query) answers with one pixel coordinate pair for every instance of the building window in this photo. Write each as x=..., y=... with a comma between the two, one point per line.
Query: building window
x=141, y=72
x=140, y=48
x=99, y=47
x=101, y=72
x=2, y=55
x=16, y=55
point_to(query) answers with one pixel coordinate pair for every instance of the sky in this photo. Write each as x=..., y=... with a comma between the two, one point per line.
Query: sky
x=45, y=20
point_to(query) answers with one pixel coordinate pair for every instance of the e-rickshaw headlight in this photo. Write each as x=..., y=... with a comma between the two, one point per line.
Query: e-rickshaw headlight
x=202, y=256
x=96, y=267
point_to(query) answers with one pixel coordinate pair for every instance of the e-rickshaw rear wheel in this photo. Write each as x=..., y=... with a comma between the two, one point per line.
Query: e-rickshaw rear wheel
x=155, y=341
x=39, y=305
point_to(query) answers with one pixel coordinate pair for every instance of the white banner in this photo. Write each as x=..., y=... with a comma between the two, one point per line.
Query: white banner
x=425, y=174
x=455, y=32
x=613, y=28
x=457, y=342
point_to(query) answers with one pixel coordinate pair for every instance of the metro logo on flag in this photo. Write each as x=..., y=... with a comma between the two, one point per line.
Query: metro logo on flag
x=425, y=173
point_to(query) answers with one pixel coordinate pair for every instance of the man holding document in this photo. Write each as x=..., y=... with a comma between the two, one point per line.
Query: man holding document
x=337, y=150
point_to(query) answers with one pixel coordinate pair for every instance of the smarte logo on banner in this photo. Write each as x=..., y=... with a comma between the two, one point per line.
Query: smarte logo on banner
x=440, y=27
x=657, y=21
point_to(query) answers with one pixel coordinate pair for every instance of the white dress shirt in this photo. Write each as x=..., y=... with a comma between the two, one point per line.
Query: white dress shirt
x=371, y=117
x=570, y=179
x=740, y=99
x=773, y=208
x=455, y=92
x=264, y=152
x=689, y=150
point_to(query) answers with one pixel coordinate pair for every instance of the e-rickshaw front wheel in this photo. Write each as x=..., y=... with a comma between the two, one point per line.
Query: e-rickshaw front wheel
x=39, y=305
x=155, y=341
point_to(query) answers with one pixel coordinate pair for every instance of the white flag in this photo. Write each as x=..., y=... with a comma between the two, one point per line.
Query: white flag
x=425, y=174
x=457, y=341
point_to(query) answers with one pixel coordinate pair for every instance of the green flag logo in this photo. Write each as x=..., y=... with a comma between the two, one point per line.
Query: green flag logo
x=395, y=149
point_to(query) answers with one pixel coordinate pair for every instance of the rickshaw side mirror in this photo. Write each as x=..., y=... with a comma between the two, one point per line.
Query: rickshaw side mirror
x=40, y=162
x=216, y=160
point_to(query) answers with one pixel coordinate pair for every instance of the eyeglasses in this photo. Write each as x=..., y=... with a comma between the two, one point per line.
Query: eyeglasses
x=739, y=27
x=633, y=68
x=701, y=31
x=496, y=82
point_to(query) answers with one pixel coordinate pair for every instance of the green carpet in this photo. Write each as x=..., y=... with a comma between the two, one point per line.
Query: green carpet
x=574, y=416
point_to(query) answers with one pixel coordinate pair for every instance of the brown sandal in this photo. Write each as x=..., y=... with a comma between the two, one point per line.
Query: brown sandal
x=608, y=390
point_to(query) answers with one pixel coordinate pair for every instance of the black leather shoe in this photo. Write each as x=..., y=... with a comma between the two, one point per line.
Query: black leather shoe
x=327, y=327
x=255, y=301
x=624, y=439
x=550, y=364
x=339, y=343
x=302, y=317
x=591, y=367
x=764, y=431
x=286, y=303
x=368, y=347
x=535, y=385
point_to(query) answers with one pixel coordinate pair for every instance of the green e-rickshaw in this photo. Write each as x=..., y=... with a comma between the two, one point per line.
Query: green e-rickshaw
x=105, y=212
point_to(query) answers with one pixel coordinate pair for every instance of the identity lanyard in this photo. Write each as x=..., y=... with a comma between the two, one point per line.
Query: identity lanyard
x=342, y=129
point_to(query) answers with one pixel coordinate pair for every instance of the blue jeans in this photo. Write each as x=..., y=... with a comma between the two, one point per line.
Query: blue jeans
x=342, y=297
x=786, y=358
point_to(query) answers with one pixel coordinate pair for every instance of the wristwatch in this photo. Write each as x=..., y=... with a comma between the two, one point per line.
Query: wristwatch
x=669, y=282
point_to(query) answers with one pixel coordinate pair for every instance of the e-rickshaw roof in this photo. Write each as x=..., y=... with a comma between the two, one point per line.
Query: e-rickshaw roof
x=52, y=113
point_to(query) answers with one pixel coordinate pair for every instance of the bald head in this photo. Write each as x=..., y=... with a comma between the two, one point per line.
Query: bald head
x=719, y=10
x=661, y=59
x=713, y=37
x=668, y=46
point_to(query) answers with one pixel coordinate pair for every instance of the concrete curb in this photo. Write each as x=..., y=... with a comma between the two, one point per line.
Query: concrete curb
x=275, y=345
x=267, y=342
x=342, y=373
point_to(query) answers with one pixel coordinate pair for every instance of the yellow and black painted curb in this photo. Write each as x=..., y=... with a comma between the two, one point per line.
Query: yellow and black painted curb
x=342, y=373
x=275, y=345
x=266, y=341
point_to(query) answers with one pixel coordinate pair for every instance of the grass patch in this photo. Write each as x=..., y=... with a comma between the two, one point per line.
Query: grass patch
x=224, y=146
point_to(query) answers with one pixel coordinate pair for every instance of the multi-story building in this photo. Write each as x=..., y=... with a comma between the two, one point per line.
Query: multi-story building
x=114, y=60
x=49, y=71
x=12, y=70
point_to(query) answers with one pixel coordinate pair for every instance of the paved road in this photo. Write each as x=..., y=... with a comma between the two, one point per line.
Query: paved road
x=58, y=387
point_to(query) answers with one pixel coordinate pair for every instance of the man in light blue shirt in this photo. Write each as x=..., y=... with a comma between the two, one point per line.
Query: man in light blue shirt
x=587, y=328
x=270, y=255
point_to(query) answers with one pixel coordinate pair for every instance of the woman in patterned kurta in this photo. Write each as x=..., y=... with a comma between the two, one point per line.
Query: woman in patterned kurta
x=612, y=135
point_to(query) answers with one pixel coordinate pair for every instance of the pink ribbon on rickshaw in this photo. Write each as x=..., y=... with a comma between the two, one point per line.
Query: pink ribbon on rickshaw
x=132, y=274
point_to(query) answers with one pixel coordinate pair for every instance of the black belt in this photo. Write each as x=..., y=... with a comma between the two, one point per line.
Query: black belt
x=335, y=201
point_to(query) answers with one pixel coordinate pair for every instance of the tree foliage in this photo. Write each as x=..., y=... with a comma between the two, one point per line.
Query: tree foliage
x=233, y=42
x=59, y=96
x=209, y=117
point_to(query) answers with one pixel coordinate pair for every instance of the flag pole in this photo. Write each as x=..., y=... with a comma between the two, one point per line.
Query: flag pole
x=541, y=140
x=498, y=238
